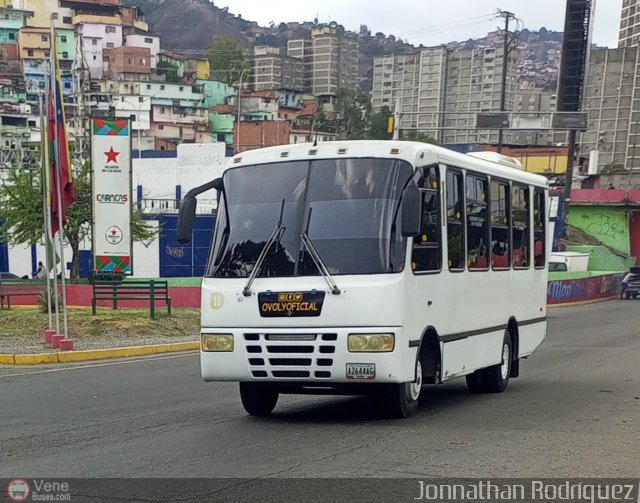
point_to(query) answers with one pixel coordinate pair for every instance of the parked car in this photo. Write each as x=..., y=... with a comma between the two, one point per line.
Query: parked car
x=631, y=284
x=8, y=275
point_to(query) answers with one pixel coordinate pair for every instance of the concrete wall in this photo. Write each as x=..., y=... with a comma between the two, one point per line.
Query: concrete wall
x=606, y=224
x=602, y=259
x=194, y=165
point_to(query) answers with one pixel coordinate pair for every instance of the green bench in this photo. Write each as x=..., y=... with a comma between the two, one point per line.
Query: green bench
x=19, y=288
x=153, y=291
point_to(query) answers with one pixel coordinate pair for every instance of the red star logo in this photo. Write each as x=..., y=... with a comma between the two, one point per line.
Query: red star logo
x=112, y=156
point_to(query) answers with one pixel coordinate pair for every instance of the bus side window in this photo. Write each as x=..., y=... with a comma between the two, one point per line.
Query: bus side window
x=477, y=223
x=520, y=208
x=455, y=220
x=500, y=216
x=539, y=219
x=427, y=248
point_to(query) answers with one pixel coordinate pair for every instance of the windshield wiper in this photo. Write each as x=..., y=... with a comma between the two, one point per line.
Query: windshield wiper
x=275, y=236
x=317, y=260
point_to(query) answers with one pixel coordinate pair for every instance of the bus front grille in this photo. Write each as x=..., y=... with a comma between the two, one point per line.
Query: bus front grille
x=290, y=356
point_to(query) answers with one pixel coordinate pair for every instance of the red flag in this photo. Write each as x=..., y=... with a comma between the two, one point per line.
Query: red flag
x=58, y=149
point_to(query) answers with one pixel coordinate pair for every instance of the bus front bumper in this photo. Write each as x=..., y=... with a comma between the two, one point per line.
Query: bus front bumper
x=309, y=356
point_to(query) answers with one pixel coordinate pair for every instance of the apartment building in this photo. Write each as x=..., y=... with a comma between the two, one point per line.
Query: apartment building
x=629, y=24
x=445, y=89
x=531, y=102
x=612, y=100
x=330, y=60
x=274, y=70
x=474, y=84
x=417, y=83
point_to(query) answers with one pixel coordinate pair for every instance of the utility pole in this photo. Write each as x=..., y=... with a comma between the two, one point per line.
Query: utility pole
x=239, y=99
x=396, y=119
x=507, y=47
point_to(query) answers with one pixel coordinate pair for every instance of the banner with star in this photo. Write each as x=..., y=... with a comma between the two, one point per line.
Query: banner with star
x=112, y=195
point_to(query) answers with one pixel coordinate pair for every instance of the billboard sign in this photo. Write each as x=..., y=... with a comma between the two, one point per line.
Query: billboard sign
x=111, y=184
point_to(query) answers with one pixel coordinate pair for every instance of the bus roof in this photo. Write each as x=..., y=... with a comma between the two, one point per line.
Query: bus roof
x=412, y=152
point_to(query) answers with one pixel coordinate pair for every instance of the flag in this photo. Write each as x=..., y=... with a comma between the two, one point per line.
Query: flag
x=61, y=177
x=52, y=256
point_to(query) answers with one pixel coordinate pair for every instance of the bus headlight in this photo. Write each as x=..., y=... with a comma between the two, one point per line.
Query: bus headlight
x=217, y=342
x=371, y=343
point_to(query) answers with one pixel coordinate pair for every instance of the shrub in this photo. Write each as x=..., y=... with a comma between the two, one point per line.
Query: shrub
x=42, y=300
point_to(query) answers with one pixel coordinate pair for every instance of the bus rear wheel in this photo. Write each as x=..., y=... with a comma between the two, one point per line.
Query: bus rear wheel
x=496, y=378
x=258, y=398
x=402, y=399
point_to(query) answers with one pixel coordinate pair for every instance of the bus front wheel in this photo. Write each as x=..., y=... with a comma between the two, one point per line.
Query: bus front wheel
x=258, y=398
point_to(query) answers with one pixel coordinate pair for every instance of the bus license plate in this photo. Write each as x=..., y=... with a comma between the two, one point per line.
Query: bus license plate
x=361, y=371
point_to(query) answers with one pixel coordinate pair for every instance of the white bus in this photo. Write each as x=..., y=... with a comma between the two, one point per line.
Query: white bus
x=370, y=267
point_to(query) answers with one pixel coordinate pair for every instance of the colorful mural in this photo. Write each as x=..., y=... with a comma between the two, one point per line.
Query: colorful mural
x=608, y=225
x=584, y=289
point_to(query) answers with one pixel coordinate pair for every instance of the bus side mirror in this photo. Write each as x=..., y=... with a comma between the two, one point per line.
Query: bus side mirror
x=186, y=218
x=411, y=209
x=218, y=184
x=187, y=214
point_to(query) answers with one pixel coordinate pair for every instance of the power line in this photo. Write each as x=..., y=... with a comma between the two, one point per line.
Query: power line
x=453, y=26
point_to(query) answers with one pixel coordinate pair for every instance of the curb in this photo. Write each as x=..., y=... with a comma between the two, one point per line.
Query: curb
x=96, y=354
x=582, y=302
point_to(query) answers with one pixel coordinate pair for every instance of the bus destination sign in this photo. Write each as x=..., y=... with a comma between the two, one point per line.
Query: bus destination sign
x=290, y=304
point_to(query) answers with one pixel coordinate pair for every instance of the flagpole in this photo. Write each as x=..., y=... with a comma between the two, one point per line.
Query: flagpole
x=47, y=82
x=58, y=185
x=45, y=203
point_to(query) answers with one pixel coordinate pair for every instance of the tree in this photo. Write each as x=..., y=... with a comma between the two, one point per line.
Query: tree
x=170, y=71
x=379, y=123
x=413, y=135
x=353, y=110
x=21, y=211
x=228, y=60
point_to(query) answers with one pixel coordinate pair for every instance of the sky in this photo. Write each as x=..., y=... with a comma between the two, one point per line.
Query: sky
x=428, y=22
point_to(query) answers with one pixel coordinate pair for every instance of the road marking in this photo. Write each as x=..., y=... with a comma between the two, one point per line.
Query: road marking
x=108, y=364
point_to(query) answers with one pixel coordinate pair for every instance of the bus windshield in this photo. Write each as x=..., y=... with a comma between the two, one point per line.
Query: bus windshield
x=349, y=208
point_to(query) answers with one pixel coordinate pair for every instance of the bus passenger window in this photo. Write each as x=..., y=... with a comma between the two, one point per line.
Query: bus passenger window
x=539, y=219
x=520, y=226
x=500, y=213
x=455, y=220
x=477, y=223
x=427, y=250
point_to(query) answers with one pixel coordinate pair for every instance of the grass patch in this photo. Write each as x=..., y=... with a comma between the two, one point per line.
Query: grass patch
x=122, y=323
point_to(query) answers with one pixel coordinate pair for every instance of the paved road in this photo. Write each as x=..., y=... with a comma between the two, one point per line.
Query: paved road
x=575, y=411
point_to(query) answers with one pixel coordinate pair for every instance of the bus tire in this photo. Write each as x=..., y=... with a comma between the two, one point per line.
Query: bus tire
x=496, y=378
x=402, y=399
x=258, y=398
